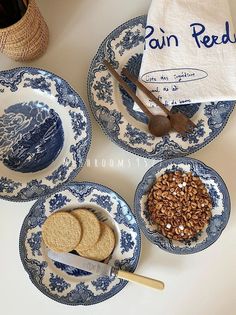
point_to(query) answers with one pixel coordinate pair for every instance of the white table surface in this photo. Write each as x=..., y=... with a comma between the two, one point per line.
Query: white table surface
x=203, y=283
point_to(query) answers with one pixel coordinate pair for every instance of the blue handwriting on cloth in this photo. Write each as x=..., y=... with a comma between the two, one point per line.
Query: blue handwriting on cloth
x=198, y=32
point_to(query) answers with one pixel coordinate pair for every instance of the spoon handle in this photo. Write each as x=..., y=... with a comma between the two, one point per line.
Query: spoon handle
x=143, y=88
x=127, y=88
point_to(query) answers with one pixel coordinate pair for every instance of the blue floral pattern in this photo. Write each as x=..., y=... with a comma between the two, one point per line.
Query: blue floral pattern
x=67, y=284
x=215, y=196
x=79, y=150
x=102, y=283
x=32, y=190
x=216, y=227
x=66, y=95
x=125, y=263
x=137, y=136
x=37, y=217
x=58, y=201
x=39, y=83
x=103, y=201
x=103, y=89
x=130, y=40
x=195, y=135
x=127, y=242
x=217, y=113
x=35, y=243
x=60, y=174
x=71, y=270
x=123, y=215
x=11, y=79
x=57, y=283
x=8, y=185
x=66, y=109
x=82, y=193
x=81, y=295
x=109, y=119
x=78, y=122
x=36, y=268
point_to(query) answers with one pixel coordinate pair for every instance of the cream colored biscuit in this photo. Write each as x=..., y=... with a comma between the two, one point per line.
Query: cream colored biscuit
x=61, y=232
x=90, y=228
x=103, y=248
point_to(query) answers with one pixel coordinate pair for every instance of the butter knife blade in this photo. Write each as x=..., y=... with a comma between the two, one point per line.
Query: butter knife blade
x=103, y=269
x=86, y=264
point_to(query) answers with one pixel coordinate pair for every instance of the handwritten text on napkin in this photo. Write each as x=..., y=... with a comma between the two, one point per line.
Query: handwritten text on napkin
x=189, y=53
x=199, y=34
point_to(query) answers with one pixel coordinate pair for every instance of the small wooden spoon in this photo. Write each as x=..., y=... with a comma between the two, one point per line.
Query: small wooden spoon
x=158, y=125
x=180, y=122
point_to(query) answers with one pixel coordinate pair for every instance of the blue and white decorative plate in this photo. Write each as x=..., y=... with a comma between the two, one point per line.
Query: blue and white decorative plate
x=66, y=284
x=45, y=133
x=217, y=190
x=113, y=108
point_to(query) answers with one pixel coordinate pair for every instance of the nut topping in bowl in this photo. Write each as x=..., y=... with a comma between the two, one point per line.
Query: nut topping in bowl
x=180, y=205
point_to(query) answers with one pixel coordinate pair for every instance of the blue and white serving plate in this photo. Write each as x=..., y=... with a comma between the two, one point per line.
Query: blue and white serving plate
x=216, y=189
x=45, y=133
x=114, y=109
x=70, y=285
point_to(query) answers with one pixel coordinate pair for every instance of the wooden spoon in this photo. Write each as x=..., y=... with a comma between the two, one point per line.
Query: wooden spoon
x=158, y=125
x=180, y=122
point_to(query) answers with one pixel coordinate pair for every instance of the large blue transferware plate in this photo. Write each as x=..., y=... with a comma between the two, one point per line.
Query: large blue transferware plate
x=114, y=110
x=45, y=133
x=66, y=284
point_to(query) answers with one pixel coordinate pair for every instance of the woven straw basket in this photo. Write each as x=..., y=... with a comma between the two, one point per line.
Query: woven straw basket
x=27, y=39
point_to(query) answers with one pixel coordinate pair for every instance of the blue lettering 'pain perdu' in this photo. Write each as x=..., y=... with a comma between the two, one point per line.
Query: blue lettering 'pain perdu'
x=199, y=33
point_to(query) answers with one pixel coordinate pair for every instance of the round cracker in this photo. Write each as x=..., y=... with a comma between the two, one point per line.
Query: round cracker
x=91, y=229
x=61, y=232
x=103, y=248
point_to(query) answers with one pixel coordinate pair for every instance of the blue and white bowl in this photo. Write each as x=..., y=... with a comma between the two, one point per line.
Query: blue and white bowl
x=45, y=133
x=217, y=190
x=66, y=284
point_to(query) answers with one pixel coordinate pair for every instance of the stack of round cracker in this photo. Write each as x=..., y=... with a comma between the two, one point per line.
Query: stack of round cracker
x=78, y=230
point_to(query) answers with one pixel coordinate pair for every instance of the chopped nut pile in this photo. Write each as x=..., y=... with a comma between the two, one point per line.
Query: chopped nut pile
x=180, y=205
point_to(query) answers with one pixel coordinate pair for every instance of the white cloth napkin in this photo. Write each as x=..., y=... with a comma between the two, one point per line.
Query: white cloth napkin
x=190, y=52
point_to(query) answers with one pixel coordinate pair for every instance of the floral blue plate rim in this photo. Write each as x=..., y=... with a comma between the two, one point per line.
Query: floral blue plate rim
x=221, y=206
x=67, y=98
x=110, y=119
x=129, y=248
